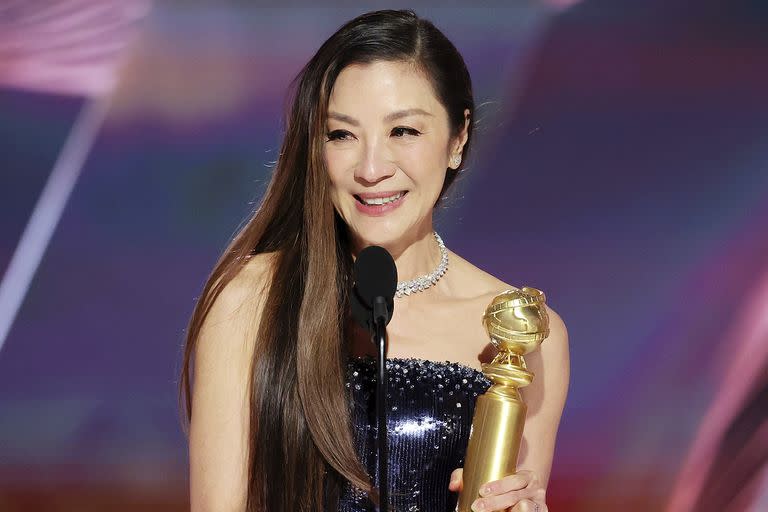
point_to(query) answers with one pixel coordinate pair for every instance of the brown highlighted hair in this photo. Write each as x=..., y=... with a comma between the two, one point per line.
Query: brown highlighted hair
x=299, y=454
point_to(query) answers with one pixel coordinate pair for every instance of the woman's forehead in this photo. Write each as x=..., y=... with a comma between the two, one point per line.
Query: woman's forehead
x=381, y=88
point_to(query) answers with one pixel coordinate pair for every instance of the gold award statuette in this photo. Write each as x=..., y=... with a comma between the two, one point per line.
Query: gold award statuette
x=516, y=321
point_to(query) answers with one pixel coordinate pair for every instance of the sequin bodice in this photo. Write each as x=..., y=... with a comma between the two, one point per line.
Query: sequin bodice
x=429, y=415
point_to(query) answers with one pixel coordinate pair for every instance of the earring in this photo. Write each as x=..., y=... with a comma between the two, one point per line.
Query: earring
x=455, y=160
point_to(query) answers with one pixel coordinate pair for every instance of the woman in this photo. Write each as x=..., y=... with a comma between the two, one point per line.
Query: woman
x=380, y=124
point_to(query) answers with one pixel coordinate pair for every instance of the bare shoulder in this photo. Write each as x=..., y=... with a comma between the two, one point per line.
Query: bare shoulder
x=471, y=281
x=228, y=333
x=477, y=284
x=227, y=336
x=557, y=329
x=229, y=329
x=247, y=288
x=218, y=441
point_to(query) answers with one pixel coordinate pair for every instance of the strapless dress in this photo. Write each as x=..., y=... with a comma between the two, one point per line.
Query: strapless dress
x=429, y=416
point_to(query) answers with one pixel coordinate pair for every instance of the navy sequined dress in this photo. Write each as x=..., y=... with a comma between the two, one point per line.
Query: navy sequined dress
x=429, y=415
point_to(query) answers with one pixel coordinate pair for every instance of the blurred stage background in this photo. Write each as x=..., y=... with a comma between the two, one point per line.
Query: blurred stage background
x=630, y=139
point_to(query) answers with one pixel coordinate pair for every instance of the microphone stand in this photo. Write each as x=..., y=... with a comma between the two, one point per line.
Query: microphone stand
x=379, y=338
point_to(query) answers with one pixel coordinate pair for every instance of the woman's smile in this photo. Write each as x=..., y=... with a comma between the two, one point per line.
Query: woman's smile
x=376, y=204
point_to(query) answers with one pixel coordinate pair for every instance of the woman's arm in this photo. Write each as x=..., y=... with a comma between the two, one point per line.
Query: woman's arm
x=218, y=437
x=545, y=398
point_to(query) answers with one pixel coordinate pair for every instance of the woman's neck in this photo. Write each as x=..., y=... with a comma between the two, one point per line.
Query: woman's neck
x=414, y=256
x=419, y=258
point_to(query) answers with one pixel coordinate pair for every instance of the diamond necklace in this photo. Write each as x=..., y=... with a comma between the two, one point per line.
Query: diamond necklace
x=427, y=280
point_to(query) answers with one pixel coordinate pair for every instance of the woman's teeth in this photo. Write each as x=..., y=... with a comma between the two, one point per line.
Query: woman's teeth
x=382, y=200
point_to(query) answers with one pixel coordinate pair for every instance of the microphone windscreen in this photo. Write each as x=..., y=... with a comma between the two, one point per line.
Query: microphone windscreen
x=375, y=275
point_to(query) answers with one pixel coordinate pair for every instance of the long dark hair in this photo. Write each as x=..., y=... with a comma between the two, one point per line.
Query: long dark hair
x=299, y=456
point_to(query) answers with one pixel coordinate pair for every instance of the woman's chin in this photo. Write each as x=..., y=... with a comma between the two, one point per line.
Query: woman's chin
x=389, y=239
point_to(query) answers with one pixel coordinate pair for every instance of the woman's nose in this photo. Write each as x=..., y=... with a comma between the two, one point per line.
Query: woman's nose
x=374, y=165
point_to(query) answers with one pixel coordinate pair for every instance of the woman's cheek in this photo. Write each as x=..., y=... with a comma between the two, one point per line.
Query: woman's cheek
x=412, y=161
x=334, y=168
x=426, y=169
x=339, y=164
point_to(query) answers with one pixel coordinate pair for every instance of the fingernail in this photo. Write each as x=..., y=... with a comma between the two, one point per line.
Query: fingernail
x=478, y=506
x=485, y=491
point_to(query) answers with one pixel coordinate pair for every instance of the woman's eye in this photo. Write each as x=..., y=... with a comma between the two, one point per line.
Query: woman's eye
x=402, y=130
x=337, y=135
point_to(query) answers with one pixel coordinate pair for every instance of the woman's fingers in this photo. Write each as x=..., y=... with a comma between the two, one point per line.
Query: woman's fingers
x=519, y=480
x=516, y=493
x=529, y=506
x=456, y=480
x=505, y=501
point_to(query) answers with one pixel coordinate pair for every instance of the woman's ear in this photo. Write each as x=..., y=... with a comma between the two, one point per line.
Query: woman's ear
x=461, y=139
x=457, y=146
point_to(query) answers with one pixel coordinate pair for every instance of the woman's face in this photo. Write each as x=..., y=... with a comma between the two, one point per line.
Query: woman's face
x=387, y=144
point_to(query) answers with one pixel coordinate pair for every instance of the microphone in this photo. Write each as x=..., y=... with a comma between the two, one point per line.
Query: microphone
x=372, y=302
x=372, y=297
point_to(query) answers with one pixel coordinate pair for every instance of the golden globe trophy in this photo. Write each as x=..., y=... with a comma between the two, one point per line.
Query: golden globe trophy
x=516, y=321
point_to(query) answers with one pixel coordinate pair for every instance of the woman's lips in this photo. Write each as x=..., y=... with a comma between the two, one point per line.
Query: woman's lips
x=377, y=210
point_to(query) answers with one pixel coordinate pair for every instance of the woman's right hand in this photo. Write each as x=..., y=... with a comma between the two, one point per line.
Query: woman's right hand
x=520, y=492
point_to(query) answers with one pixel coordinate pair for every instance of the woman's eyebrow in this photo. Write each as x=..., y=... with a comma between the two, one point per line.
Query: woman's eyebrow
x=343, y=118
x=389, y=117
x=406, y=113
